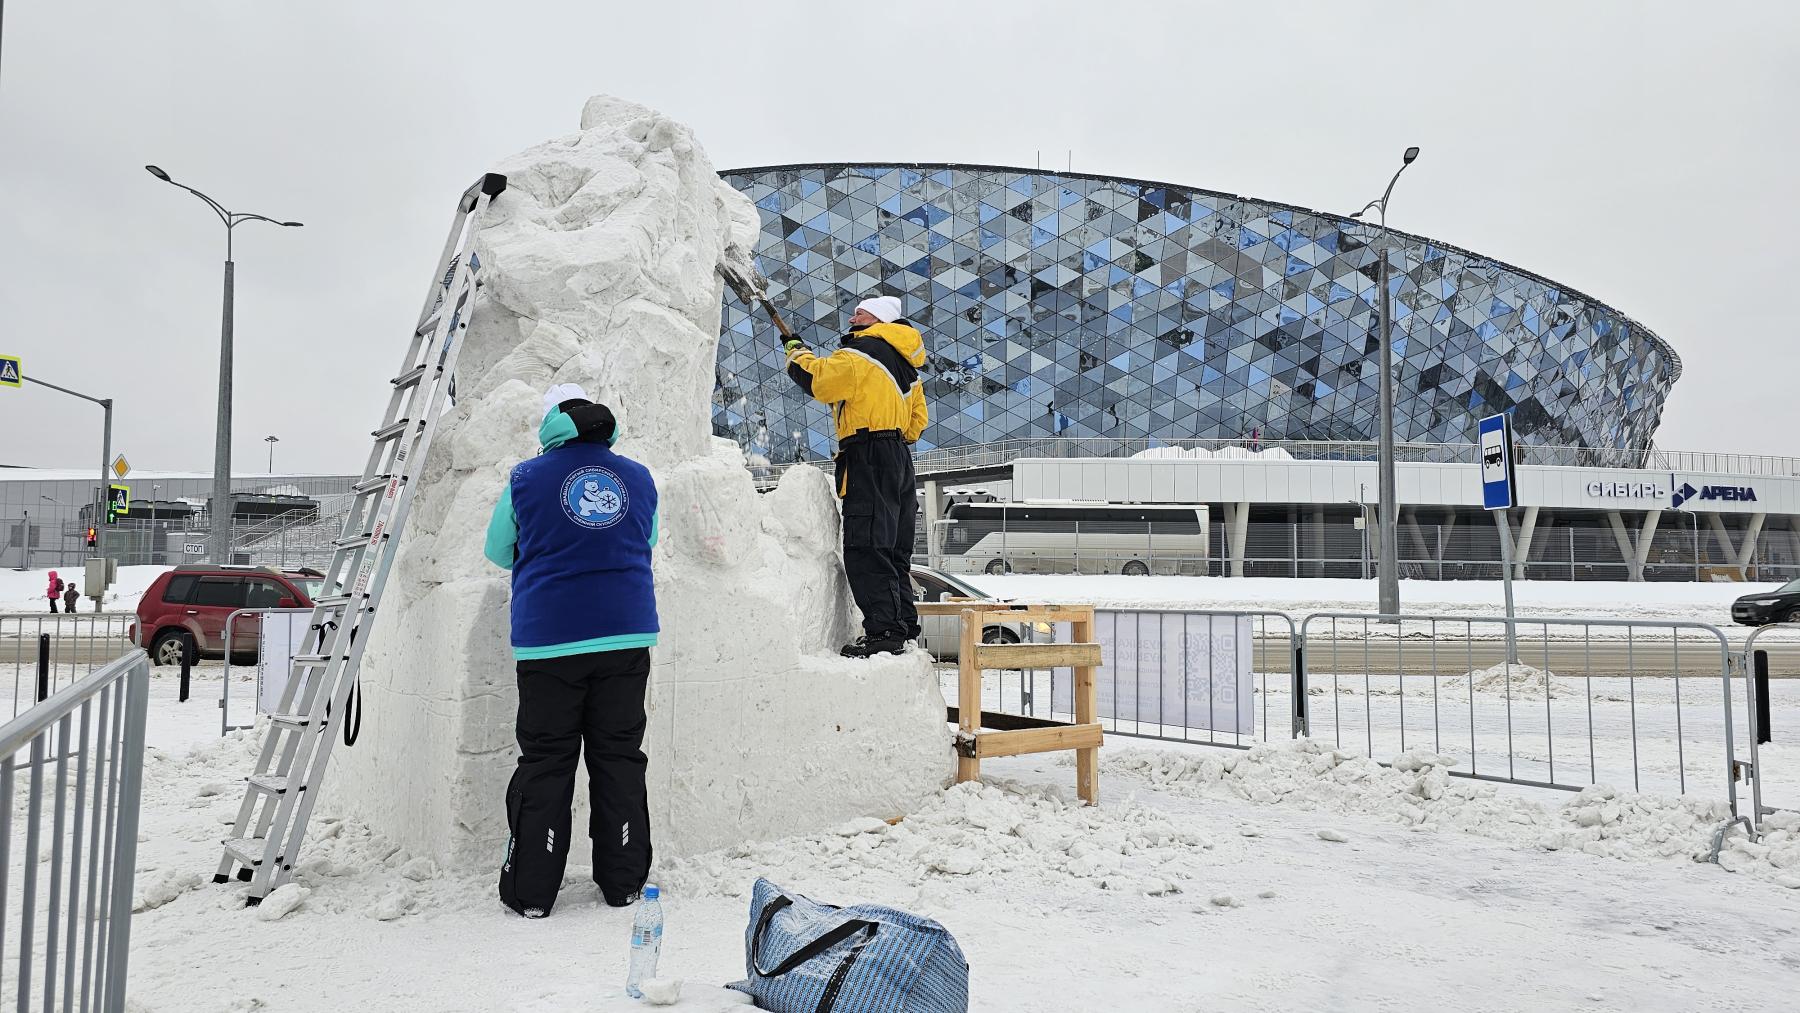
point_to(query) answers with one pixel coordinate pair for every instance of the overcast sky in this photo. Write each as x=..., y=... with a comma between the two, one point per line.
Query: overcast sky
x=1644, y=153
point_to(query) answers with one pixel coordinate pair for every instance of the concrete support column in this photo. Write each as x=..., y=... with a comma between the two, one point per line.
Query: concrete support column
x=934, y=531
x=1318, y=542
x=1421, y=548
x=1522, y=544
x=1646, y=535
x=1741, y=556
x=1237, y=524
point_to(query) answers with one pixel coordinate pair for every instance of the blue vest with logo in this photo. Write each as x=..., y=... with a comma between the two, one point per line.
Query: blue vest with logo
x=581, y=579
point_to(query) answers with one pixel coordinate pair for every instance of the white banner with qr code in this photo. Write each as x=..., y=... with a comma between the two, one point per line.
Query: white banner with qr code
x=282, y=635
x=1167, y=671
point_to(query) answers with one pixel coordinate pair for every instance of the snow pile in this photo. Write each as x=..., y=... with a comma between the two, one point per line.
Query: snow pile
x=1518, y=680
x=1417, y=791
x=972, y=838
x=1221, y=454
x=601, y=268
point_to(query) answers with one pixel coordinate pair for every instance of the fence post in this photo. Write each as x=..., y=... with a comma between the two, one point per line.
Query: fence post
x=43, y=660
x=1301, y=728
x=1761, y=682
x=188, y=650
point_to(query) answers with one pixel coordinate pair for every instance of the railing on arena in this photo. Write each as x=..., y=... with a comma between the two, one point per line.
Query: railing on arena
x=1000, y=453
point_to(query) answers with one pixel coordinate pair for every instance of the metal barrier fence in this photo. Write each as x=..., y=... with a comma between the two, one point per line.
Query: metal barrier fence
x=1647, y=705
x=66, y=888
x=58, y=649
x=1759, y=692
x=1590, y=701
x=225, y=725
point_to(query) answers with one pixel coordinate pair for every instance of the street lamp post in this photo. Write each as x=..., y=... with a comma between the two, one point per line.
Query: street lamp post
x=271, y=441
x=221, y=510
x=1388, y=566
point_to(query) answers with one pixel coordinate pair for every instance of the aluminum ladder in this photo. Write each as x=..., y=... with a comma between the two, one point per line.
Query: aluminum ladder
x=279, y=794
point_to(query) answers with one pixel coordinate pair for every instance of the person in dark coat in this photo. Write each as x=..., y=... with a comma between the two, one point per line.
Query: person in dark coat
x=576, y=526
x=71, y=597
x=872, y=385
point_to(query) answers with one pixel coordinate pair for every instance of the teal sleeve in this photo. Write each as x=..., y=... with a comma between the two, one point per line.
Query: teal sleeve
x=655, y=528
x=502, y=532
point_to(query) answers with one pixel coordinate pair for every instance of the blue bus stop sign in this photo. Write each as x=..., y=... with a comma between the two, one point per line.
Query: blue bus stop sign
x=1497, y=478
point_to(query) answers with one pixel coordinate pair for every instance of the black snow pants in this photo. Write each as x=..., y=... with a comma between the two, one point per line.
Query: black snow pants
x=583, y=702
x=875, y=481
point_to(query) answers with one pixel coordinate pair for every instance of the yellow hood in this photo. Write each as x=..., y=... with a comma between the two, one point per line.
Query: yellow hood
x=904, y=337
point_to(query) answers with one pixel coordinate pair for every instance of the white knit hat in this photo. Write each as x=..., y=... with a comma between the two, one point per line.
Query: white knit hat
x=885, y=308
x=563, y=392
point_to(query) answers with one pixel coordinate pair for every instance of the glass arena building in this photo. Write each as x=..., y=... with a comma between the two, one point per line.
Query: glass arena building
x=1072, y=305
x=1101, y=345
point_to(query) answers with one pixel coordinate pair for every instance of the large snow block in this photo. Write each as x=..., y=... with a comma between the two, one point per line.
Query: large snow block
x=600, y=267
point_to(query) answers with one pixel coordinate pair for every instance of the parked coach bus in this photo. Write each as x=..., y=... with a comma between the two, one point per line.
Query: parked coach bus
x=1068, y=537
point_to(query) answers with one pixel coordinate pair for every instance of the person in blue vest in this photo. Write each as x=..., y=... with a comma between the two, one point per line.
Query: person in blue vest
x=576, y=525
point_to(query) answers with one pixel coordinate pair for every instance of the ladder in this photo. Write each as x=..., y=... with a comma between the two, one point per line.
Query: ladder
x=279, y=794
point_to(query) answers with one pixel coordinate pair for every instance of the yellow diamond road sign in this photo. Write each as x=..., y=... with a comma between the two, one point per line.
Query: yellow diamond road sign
x=120, y=466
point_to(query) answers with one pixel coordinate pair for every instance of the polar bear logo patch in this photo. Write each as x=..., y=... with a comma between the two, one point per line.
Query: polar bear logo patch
x=594, y=498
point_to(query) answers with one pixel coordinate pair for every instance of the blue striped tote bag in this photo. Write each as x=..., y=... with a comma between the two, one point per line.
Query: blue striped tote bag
x=801, y=956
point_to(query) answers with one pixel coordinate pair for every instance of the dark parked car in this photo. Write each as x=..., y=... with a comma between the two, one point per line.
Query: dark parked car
x=188, y=605
x=1781, y=605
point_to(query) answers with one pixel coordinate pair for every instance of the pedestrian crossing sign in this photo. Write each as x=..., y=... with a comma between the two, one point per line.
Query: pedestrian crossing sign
x=12, y=371
x=118, y=503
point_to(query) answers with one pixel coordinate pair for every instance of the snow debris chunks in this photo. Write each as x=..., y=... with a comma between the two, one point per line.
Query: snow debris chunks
x=1778, y=850
x=661, y=991
x=419, y=869
x=978, y=836
x=1417, y=791
x=160, y=888
x=284, y=901
x=392, y=906
x=1334, y=836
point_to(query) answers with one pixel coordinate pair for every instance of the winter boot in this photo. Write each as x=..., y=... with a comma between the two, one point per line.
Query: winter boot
x=866, y=647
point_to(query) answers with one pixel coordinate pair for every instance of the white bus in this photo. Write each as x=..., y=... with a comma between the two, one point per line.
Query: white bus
x=1072, y=537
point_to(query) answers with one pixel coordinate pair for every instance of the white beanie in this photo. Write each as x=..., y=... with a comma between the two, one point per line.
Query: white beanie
x=563, y=392
x=885, y=308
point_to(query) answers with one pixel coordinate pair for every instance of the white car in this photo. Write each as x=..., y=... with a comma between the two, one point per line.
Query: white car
x=942, y=637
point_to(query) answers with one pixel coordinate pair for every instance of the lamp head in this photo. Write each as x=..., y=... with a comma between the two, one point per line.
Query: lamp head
x=291, y=225
x=1411, y=153
x=158, y=173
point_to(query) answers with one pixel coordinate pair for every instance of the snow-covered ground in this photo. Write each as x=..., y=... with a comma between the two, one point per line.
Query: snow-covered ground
x=1288, y=876
x=23, y=590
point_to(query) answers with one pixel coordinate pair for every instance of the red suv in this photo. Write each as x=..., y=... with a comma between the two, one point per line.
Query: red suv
x=188, y=605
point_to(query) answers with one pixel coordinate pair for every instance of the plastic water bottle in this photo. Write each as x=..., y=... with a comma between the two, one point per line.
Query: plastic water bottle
x=646, y=942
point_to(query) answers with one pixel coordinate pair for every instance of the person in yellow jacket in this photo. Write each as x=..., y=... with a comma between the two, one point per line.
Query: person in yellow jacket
x=872, y=385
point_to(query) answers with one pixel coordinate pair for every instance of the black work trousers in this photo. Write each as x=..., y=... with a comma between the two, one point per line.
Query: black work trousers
x=875, y=481
x=592, y=703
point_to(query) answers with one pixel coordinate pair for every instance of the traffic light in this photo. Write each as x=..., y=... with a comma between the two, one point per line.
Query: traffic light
x=93, y=538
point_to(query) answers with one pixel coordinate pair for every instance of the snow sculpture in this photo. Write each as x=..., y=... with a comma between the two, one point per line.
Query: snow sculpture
x=600, y=268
